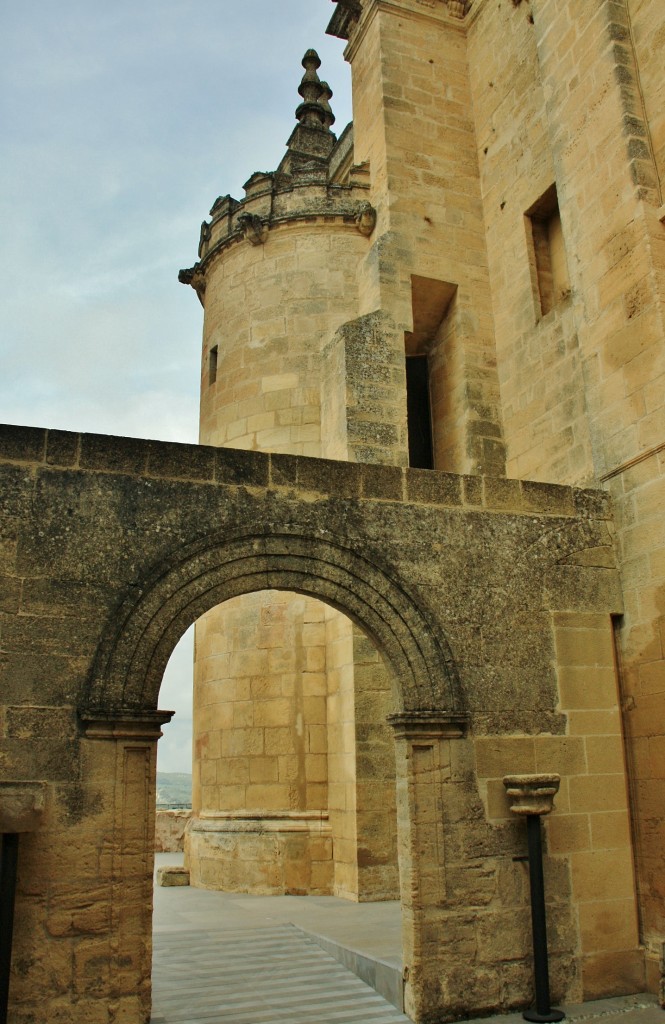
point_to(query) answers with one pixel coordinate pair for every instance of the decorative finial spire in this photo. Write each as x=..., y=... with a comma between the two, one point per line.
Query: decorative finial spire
x=310, y=112
x=311, y=141
x=324, y=101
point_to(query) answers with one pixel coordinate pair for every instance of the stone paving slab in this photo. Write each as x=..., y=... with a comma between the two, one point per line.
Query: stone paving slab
x=228, y=958
x=271, y=975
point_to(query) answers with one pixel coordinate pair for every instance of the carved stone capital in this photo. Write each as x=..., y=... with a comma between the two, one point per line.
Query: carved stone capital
x=531, y=794
x=125, y=724
x=410, y=725
x=21, y=806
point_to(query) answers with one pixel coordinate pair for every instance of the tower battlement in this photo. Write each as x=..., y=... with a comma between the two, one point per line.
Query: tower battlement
x=316, y=180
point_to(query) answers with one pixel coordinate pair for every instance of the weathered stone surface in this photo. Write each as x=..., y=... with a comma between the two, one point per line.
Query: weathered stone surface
x=531, y=794
x=538, y=307
x=170, y=830
x=172, y=875
x=456, y=601
x=21, y=806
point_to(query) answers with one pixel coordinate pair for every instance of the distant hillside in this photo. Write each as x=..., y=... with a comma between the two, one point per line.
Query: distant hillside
x=174, y=789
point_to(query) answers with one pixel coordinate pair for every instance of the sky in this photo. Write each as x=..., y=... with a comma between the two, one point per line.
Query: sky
x=119, y=125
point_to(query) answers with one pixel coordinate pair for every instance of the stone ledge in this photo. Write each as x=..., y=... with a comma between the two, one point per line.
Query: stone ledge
x=123, y=724
x=315, y=822
x=429, y=724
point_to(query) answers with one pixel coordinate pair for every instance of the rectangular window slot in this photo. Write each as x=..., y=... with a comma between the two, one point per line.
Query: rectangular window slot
x=549, y=253
x=418, y=412
x=212, y=365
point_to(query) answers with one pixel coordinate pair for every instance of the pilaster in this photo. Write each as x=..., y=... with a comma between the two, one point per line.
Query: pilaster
x=423, y=743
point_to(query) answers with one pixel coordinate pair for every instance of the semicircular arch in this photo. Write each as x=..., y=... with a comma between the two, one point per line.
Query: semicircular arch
x=138, y=642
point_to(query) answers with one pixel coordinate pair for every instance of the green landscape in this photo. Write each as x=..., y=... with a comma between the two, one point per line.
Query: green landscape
x=174, y=789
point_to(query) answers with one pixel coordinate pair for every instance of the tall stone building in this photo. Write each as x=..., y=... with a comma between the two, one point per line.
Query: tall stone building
x=277, y=794
x=422, y=538
x=470, y=279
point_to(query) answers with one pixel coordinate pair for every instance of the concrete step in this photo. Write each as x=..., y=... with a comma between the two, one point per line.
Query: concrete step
x=383, y=976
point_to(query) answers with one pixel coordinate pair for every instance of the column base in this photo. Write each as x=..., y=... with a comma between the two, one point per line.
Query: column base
x=267, y=853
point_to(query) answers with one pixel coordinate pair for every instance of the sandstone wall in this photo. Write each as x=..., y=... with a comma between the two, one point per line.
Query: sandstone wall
x=261, y=749
x=269, y=310
x=490, y=598
x=413, y=123
x=647, y=26
x=264, y=700
x=170, y=830
x=540, y=365
x=573, y=96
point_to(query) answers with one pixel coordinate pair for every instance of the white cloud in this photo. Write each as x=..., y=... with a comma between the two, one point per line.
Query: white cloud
x=121, y=124
x=174, y=751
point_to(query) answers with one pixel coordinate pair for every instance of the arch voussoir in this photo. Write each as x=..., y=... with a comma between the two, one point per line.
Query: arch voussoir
x=138, y=642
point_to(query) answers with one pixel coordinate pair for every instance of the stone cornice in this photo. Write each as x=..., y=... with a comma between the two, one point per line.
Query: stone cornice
x=438, y=15
x=317, y=203
x=311, y=822
x=346, y=15
x=477, y=8
x=413, y=725
x=124, y=724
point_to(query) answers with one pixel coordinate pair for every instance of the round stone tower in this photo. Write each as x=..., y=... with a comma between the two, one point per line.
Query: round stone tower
x=274, y=796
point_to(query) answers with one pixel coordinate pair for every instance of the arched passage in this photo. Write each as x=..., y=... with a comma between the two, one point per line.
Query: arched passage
x=124, y=684
x=136, y=646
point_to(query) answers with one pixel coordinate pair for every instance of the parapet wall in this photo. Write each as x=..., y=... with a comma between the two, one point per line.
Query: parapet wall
x=490, y=601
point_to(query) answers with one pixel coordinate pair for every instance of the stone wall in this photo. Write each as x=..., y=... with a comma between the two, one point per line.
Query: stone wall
x=647, y=31
x=538, y=356
x=170, y=830
x=268, y=312
x=260, y=725
x=414, y=125
x=272, y=302
x=516, y=156
x=573, y=97
x=486, y=598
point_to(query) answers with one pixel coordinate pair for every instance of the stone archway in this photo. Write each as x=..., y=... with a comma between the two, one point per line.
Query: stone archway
x=121, y=699
x=111, y=547
x=136, y=645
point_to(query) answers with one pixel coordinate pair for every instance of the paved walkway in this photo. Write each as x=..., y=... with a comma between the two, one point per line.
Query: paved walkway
x=237, y=959
x=223, y=958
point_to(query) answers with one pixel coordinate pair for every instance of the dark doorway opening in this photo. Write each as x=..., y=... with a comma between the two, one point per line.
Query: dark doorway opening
x=418, y=411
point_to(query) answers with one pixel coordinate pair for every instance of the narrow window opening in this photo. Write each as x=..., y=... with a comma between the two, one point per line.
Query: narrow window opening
x=418, y=411
x=548, y=251
x=212, y=365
